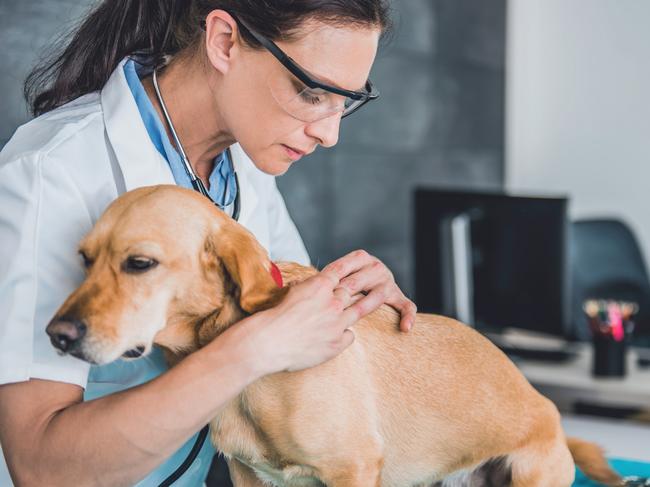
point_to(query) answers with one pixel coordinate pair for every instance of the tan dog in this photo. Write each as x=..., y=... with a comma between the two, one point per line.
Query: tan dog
x=439, y=405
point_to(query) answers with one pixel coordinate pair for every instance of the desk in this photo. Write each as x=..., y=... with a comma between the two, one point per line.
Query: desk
x=571, y=381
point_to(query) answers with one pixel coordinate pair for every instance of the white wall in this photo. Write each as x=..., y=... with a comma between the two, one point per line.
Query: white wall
x=578, y=105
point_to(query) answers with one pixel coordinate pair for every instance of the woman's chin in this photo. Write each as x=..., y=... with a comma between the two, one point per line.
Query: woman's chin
x=275, y=167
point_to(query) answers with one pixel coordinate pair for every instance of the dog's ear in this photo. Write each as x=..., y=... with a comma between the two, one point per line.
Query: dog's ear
x=248, y=266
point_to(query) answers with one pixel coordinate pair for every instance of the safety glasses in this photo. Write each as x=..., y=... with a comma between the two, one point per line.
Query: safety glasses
x=306, y=98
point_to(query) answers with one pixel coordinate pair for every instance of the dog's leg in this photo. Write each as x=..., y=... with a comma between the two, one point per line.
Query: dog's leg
x=359, y=473
x=543, y=464
x=243, y=476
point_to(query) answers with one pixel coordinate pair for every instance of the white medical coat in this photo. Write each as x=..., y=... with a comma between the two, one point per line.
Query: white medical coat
x=57, y=175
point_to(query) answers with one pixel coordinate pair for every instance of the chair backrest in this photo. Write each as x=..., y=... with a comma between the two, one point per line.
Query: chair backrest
x=607, y=262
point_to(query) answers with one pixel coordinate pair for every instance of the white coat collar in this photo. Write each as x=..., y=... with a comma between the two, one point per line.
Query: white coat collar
x=140, y=162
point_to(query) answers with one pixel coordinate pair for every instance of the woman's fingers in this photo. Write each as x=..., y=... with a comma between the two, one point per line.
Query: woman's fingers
x=327, y=306
x=377, y=275
x=369, y=276
x=348, y=264
x=406, y=308
x=360, y=307
x=347, y=338
x=343, y=297
x=356, y=297
x=321, y=283
x=366, y=305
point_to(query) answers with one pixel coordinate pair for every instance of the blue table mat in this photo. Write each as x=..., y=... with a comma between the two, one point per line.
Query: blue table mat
x=623, y=467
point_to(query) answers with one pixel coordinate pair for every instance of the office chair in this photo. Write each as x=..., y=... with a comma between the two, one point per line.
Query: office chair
x=606, y=262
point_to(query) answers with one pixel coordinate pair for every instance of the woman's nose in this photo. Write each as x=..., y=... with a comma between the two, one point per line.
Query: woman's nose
x=326, y=130
x=66, y=333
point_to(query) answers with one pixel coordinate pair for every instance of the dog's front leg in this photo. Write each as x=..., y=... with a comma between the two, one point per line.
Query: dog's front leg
x=357, y=474
x=242, y=476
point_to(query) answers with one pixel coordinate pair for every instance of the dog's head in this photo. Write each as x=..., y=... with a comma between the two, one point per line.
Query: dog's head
x=164, y=266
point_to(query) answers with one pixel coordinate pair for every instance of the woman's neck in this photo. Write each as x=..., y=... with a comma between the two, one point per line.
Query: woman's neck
x=184, y=86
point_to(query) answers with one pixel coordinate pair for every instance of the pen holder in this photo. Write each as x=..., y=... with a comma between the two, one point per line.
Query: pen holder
x=609, y=357
x=611, y=324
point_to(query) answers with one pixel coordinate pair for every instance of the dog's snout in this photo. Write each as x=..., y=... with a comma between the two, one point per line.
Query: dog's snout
x=66, y=333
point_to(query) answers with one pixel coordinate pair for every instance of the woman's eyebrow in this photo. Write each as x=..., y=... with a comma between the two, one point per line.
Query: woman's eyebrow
x=323, y=79
x=327, y=81
x=336, y=85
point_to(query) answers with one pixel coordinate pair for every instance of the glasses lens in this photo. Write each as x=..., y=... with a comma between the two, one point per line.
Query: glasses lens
x=307, y=104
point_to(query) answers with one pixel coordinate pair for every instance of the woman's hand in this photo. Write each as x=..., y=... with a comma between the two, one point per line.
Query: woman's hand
x=361, y=272
x=310, y=325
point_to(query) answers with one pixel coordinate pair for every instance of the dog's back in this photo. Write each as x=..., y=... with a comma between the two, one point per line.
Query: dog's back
x=424, y=404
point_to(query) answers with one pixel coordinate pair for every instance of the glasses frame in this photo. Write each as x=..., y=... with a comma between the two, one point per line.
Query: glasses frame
x=368, y=94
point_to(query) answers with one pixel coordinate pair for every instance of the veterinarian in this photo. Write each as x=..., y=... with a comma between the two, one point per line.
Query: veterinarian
x=221, y=96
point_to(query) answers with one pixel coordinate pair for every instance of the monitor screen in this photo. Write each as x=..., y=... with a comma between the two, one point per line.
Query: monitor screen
x=504, y=255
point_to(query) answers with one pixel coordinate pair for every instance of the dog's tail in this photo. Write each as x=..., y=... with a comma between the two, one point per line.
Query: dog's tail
x=590, y=458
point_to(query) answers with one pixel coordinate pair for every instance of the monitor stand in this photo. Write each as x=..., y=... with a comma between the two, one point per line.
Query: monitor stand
x=457, y=267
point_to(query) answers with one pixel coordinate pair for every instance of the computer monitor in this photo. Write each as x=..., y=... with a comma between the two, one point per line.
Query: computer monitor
x=493, y=260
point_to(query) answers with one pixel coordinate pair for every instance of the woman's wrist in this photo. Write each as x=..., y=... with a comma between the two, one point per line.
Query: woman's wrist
x=243, y=344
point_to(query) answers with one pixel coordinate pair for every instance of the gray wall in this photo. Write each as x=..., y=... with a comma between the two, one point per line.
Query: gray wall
x=439, y=122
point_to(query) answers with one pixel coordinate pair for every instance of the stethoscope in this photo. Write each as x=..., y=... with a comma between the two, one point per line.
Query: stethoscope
x=197, y=184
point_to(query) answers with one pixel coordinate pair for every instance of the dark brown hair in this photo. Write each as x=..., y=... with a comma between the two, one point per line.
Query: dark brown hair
x=117, y=28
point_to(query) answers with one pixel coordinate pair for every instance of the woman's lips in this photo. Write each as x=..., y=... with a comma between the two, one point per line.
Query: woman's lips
x=294, y=154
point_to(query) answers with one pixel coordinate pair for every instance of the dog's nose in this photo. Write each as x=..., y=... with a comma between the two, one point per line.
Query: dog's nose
x=66, y=333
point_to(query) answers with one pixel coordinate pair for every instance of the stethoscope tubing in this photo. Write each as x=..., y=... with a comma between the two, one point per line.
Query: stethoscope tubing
x=197, y=184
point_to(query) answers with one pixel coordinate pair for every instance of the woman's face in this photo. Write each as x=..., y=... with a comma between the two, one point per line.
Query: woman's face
x=258, y=95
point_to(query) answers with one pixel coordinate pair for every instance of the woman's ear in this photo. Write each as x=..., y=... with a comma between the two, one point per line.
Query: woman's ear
x=248, y=266
x=221, y=33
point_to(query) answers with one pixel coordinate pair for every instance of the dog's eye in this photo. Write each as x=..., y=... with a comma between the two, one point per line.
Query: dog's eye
x=87, y=260
x=136, y=264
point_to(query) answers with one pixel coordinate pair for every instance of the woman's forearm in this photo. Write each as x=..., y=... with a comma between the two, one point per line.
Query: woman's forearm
x=118, y=439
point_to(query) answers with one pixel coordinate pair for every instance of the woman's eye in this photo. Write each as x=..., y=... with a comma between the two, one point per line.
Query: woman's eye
x=135, y=264
x=310, y=97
